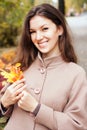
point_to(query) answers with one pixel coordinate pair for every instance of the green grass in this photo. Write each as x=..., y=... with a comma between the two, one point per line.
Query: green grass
x=2, y=123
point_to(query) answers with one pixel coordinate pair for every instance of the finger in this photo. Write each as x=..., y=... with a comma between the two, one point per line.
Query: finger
x=19, y=103
x=20, y=89
x=19, y=86
x=14, y=90
x=18, y=82
x=19, y=96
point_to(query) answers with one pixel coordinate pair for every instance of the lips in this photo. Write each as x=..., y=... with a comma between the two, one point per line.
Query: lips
x=43, y=44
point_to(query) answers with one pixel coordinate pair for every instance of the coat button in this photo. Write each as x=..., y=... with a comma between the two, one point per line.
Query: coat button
x=42, y=70
x=36, y=90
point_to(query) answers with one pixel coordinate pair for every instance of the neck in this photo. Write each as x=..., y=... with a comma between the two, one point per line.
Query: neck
x=54, y=54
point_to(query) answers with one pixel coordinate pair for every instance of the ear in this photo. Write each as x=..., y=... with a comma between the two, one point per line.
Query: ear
x=60, y=30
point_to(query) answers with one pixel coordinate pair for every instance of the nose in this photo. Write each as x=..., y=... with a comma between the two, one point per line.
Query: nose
x=39, y=36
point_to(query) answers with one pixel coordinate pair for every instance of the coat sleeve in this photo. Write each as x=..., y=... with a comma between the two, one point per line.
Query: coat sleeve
x=74, y=115
x=8, y=112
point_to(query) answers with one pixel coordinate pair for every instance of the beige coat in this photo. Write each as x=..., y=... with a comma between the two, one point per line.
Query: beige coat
x=61, y=88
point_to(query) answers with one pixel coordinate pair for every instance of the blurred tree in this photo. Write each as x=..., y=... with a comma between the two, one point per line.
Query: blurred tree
x=61, y=6
x=77, y=6
x=12, y=14
x=36, y=2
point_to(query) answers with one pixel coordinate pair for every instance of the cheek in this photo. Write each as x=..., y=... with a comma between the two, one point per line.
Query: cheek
x=33, y=38
x=52, y=34
x=56, y=35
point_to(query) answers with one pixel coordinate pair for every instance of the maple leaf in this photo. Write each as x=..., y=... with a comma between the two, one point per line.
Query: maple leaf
x=12, y=73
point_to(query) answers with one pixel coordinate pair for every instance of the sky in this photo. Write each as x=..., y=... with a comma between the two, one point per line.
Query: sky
x=54, y=1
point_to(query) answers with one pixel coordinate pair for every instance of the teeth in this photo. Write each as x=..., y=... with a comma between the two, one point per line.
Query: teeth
x=42, y=44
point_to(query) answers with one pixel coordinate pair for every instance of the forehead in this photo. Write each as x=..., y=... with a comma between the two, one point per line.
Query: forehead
x=38, y=21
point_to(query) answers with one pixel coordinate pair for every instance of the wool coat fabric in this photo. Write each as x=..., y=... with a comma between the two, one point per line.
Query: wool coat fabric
x=61, y=88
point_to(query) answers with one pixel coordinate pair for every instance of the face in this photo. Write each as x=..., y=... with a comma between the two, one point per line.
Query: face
x=44, y=35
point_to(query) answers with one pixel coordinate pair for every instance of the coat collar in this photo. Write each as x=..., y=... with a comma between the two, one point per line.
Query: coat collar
x=50, y=61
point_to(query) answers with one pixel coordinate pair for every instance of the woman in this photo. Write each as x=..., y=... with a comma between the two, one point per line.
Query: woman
x=53, y=94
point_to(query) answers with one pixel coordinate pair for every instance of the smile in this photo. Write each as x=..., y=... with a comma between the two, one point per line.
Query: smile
x=43, y=44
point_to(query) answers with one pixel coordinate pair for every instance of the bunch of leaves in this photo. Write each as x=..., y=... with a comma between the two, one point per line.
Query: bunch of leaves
x=12, y=73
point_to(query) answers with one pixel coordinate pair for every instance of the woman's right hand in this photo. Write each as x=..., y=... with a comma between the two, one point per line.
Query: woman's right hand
x=13, y=93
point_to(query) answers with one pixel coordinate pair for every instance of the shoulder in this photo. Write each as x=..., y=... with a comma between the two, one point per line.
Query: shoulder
x=76, y=68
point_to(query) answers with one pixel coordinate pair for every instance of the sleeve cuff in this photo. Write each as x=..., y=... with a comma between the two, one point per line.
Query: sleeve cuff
x=3, y=108
x=5, y=111
x=36, y=109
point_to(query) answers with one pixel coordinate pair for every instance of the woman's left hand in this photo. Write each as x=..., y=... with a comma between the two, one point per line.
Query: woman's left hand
x=27, y=102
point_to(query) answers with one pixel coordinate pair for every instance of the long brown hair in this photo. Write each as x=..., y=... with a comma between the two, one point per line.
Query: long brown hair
x=27, y=52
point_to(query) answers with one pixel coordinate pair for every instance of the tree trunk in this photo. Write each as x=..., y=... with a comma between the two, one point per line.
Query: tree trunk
x=61, y=6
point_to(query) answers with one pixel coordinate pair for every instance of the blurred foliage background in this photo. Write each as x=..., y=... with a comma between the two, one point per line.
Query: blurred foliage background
x=12, y=14
x=11, y=17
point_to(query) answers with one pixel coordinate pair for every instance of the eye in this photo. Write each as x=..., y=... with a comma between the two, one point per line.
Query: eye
x=31, y=32
x=45, y=28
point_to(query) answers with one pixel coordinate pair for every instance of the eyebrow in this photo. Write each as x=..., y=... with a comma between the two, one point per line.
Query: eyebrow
x=40, y=27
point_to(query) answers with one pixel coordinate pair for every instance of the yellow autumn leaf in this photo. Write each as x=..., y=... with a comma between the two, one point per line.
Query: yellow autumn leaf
x=13, y=73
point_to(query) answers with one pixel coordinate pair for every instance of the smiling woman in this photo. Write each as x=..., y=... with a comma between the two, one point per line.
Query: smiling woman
x=53, y=92
x=42, y=35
